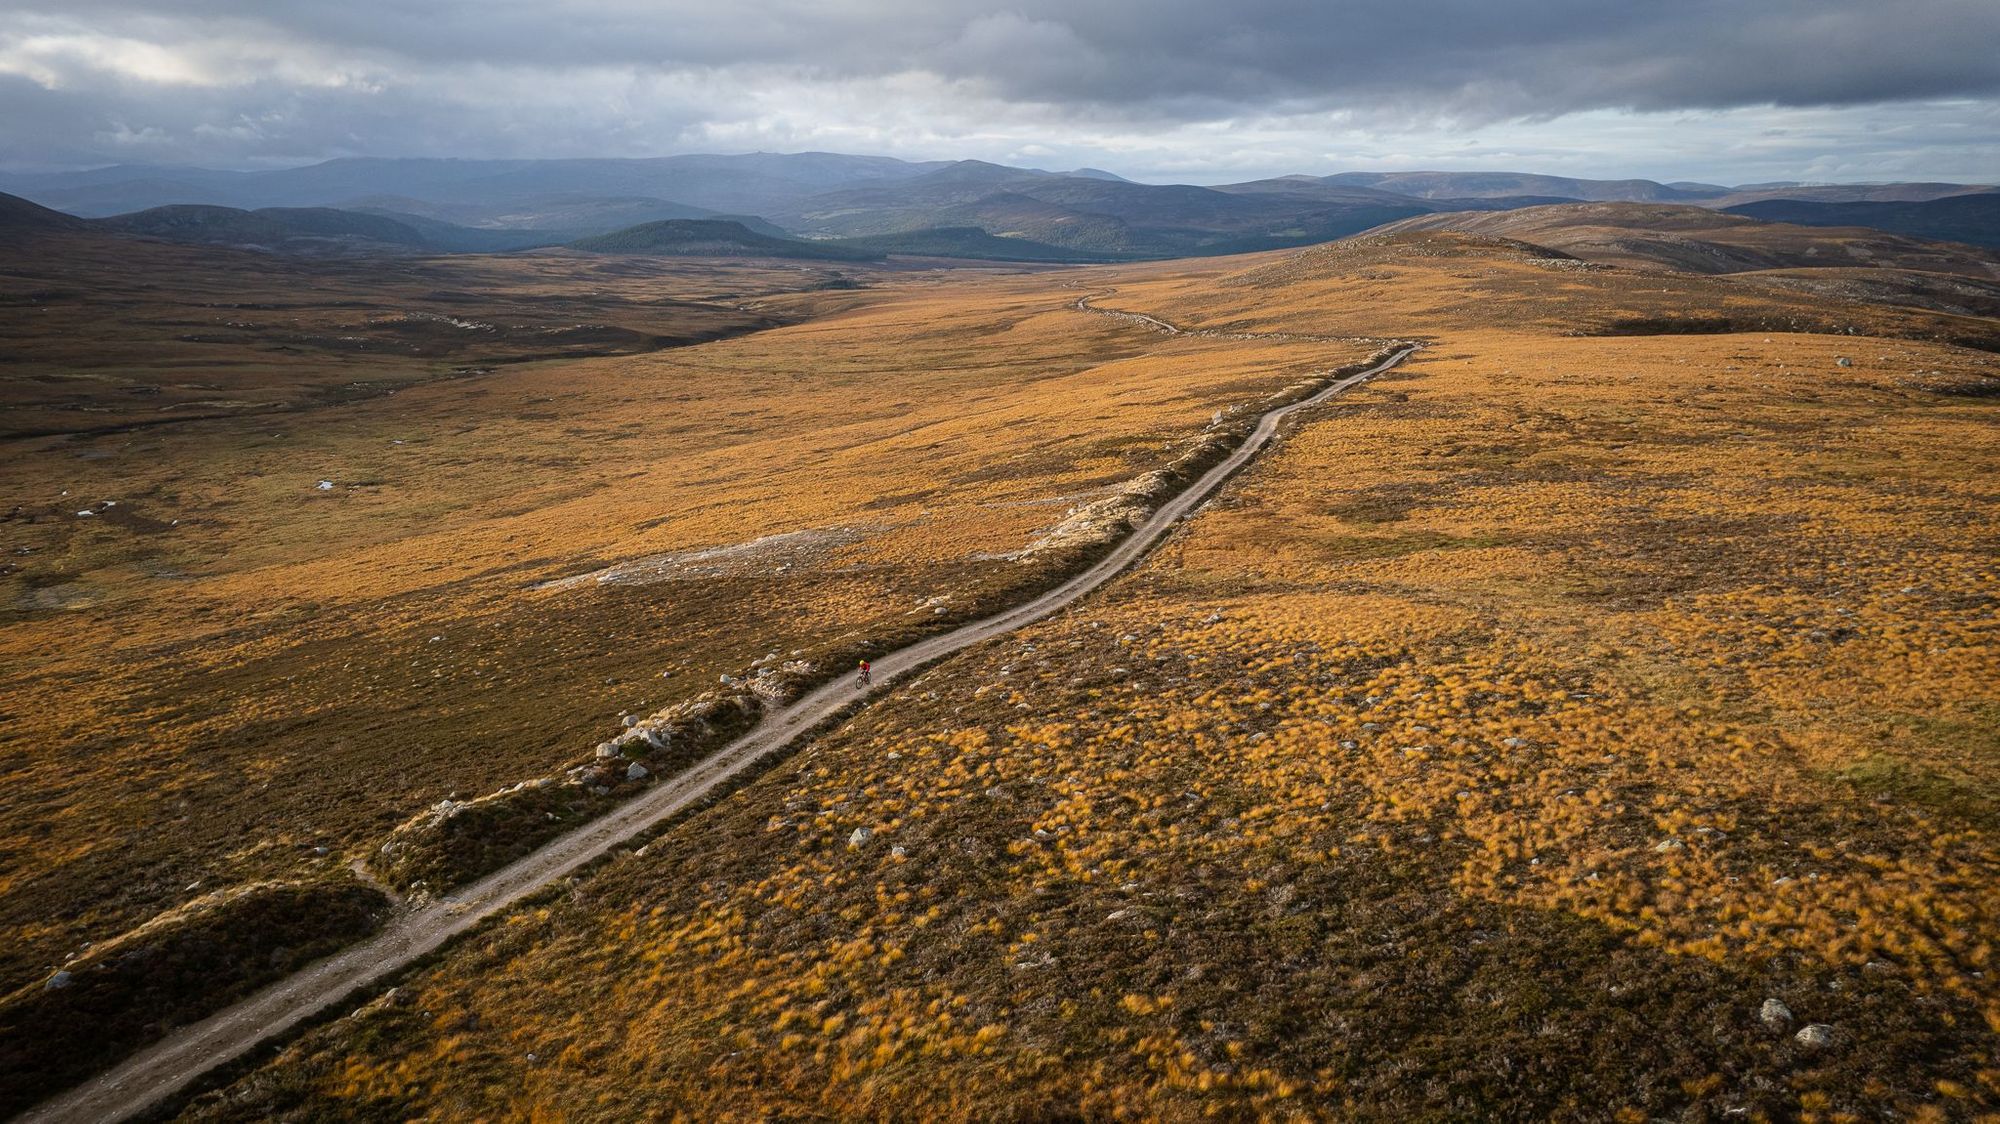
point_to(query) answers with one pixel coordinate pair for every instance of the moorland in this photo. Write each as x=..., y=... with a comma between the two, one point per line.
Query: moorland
x=1506, y=741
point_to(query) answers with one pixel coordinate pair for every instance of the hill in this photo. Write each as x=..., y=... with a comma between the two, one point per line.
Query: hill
x=1971, y=218
x=713, y=238
x=1847, y=193
x=571, y=214
x=283, y=229
x=753, y=182
x=19, y=218
x=320, y=231
x=968, y=242
x=1699, y=240
x=1094, y=215
x=448, y=237
x=1473, y=185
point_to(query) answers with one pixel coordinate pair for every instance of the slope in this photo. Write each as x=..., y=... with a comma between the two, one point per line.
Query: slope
x=1699, y=240
x=1972, y=218
x=1448, y=185
x=1094, y=215
x=281, y=229
x=713, y=238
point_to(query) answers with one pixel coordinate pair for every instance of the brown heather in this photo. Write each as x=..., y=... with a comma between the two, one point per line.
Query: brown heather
x=1493, y=748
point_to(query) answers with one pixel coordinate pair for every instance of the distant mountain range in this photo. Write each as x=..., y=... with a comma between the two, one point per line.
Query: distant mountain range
x=875, y=205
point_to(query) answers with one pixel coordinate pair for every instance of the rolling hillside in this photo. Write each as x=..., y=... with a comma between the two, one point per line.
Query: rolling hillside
x=969, y=242
x=713, y=238
x=754, y=182
x=1093, y=215
x=1698, y=240
x=21, y=218
x=319, y=231
x=1474, y=185
x=1973, y=218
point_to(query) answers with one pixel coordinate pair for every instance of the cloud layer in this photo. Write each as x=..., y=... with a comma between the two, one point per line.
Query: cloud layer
x=1178, y=88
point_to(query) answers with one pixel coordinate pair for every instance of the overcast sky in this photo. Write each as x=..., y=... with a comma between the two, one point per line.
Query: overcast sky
x=1190, y=90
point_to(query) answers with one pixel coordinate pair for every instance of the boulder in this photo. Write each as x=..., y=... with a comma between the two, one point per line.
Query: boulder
x=58, y=981
x=1815, y=1036
x=1774, y=1015
x=636, y=772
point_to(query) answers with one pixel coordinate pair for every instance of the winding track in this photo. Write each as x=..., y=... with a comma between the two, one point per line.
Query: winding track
x=168, y=1066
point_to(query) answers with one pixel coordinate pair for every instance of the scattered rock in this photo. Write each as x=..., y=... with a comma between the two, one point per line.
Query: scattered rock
x=324, y=486
x=858, y=838
x=58, y=981
x=630, y=721
x=1845, y=361
x=1774, y=1015
x=1817, y=1036
x=897, y=852
x=636, y=772
x=1666, y=846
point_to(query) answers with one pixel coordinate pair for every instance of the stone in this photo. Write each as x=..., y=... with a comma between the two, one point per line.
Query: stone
x=630, y=721
x=897, y=852
x=1845, y=361
x=1774, y=1015
x=58, y=981
x=858, y=838
x=1817, y=1036
x=636, y=772
x=1665, y=846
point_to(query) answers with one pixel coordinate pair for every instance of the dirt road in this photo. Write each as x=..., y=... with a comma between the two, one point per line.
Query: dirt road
x=172, y=1063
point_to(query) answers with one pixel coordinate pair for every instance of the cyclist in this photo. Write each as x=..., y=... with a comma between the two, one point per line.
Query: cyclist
x=863, y=679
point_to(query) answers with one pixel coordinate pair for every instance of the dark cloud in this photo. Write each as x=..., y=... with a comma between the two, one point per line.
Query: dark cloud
x=277, y=79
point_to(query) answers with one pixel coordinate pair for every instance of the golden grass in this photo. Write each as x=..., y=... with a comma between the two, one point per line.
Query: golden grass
x=1493, y=749
x=232, y=668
